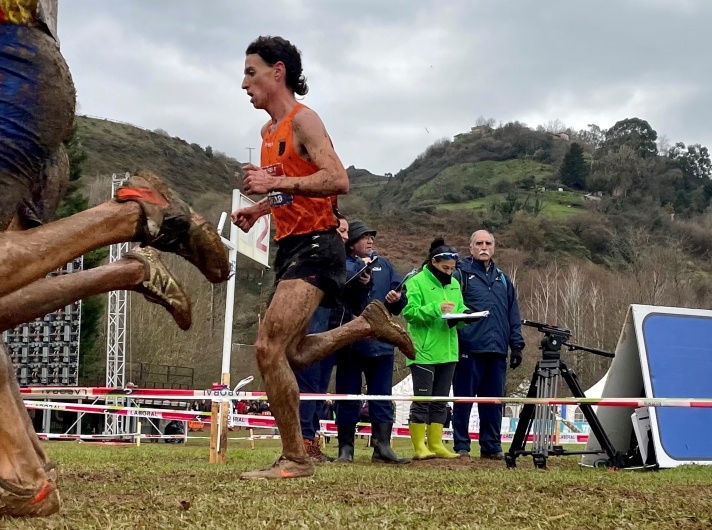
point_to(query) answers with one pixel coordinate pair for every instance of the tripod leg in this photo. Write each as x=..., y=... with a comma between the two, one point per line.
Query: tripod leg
x=616, y=459
x=526, y=417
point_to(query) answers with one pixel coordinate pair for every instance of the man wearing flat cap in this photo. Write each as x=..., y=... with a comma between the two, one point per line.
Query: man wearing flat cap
x=370, y=357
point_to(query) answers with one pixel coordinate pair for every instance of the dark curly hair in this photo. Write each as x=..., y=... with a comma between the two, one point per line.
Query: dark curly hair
x=276, y=49
x=438, y=246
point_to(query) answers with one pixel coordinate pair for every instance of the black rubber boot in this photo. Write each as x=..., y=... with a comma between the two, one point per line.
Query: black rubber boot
x=382, y=452
x=346, y=434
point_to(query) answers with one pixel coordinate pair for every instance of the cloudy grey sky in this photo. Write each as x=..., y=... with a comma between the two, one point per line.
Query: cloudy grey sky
x=389, y=77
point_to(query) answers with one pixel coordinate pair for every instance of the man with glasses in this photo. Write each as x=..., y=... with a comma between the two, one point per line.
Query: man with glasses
x=482, y=368
x=372, y=357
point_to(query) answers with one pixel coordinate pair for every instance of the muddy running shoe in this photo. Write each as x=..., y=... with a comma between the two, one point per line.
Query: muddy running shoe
x=385, y=329
x=282, y=468
x=170, y=225
x=16, y=501
x=160, y=287
x=314, y=451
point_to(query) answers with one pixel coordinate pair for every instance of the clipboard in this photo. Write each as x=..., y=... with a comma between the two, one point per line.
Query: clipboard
x=466, y=317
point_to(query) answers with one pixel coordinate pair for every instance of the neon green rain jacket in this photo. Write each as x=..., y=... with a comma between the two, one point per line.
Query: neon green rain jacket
x=435, y=342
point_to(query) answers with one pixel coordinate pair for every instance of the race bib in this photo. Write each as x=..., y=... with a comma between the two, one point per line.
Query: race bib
x=277, y=198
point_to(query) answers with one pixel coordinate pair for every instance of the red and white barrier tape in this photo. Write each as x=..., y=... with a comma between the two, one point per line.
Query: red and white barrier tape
x=105, y=437
x=231, y=395
x=237, y=420
x=121, y=411
x=54, y=436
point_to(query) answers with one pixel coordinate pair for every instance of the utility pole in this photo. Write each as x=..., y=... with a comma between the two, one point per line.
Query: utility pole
x=249, y=149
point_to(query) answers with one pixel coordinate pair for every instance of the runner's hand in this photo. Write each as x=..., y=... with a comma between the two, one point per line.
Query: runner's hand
x=245, y=218
x=256, y=180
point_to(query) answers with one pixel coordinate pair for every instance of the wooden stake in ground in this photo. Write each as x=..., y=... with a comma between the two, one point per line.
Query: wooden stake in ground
x=214, y=433
x=224, y=415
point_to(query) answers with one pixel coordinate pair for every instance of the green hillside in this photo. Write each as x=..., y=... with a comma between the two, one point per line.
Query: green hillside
x=642, y=235
x=551, y=203
x=472, y=180
x=492, y=176
x=200, y=175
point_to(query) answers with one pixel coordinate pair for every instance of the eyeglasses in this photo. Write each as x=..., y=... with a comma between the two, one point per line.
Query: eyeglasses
x=447, y=255
x=481, y=243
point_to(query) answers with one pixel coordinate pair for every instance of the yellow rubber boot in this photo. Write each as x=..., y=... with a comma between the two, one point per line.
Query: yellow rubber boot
x=417, y=436
x=435, y=442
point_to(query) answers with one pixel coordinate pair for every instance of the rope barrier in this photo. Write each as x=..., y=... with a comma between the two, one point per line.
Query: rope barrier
x=230, y=395
x=249, y=421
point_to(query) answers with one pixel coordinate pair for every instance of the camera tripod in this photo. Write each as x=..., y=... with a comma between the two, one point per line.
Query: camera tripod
x=540, y=420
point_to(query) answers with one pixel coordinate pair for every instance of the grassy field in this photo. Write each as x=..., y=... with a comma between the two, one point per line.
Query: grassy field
x=128, y=487
x=556, y=204
x=454, y=178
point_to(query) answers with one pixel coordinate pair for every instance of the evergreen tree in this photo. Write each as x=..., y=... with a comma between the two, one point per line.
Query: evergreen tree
x=574, y=168
x=92, y=308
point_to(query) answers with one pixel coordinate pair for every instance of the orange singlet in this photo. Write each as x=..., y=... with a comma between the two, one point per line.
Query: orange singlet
x=293, y=214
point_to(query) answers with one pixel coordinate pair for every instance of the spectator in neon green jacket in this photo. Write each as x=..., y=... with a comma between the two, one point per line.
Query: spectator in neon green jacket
x=432, y=293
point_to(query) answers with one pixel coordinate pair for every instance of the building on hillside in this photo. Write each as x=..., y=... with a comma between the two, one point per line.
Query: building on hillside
x=479, y=130
x=561, y=136
x=596, y=197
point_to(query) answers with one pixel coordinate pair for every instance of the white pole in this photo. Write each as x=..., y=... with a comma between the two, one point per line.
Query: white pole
x=227, y=333
x=230, y=299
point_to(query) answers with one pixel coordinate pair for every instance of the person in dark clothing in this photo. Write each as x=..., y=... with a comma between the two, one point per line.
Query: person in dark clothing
x=370, y=357
x=483, y=345
x=328, y=412
x=448, y=420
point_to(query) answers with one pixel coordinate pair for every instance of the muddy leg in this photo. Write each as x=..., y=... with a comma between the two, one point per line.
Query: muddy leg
x=318, y=346
x=61, y=241
x=284, y=325
x=49, y=294
x=24, y=486
x=14, y=388
x=19, y=463
x=375, y=321
x=286, y=319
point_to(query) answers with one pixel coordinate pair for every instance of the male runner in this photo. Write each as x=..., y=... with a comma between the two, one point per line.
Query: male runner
x=300, y=173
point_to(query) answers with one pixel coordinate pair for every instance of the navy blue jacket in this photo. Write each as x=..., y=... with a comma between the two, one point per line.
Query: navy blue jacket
x=384, y=278
x=353, y=297
x=491, y=291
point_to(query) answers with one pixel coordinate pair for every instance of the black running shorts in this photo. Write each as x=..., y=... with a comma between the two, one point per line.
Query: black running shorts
x=318, y=258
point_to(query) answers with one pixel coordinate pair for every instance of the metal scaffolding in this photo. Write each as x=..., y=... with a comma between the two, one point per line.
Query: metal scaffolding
x=116, y=333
